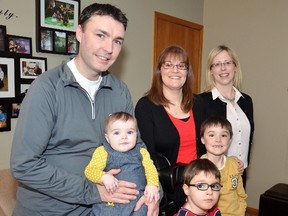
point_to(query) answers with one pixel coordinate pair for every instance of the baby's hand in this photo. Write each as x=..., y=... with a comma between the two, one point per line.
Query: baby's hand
x=110, y=182
x=151, y=192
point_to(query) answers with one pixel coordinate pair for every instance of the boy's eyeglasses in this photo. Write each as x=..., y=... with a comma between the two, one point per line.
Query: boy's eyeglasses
x=205, y=186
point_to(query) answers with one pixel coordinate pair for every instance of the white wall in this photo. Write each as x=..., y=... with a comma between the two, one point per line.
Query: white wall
x=258, y=31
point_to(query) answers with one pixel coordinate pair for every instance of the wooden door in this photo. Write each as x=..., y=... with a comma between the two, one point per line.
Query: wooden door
x=169, y=30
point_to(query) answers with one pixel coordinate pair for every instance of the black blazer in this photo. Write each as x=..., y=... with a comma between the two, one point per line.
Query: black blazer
x=205, y=106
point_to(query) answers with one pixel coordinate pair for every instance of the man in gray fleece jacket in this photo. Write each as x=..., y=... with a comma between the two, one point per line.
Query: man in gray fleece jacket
x=61, y=123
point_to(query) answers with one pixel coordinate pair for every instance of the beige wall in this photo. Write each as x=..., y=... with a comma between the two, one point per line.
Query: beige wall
x=135, y=63
x=258, y=31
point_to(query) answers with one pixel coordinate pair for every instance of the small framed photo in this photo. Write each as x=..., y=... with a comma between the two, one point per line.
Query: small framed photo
x=7, y=77
x=3, y=39
x=72, y=45
x=46, y=40
x=23, y=90
x=58, y=14
x=31, y=68
x=19, y=45
x=60, y=42
x=15, y=109
x=5, y=117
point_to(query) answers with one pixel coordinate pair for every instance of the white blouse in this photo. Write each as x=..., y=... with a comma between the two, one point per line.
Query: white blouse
x=240, y=126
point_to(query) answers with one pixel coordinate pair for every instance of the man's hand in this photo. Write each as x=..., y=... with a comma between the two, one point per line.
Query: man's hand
x=125, y=192
x=153, y=208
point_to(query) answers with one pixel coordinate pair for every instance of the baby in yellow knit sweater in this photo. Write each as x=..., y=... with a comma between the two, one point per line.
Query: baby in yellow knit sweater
x=121, y=135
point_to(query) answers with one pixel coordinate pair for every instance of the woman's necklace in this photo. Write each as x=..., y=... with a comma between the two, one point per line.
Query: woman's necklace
x=230, y=99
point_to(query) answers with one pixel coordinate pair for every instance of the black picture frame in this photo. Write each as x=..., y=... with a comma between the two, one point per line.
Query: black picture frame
x=5, y=116
x=3, y=39
x=31, y=67
x=53, y=31
x=15, y=108
x=19, y=45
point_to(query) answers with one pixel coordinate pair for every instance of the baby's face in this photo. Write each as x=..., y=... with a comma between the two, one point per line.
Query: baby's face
x=122, y=135
x=200, y=201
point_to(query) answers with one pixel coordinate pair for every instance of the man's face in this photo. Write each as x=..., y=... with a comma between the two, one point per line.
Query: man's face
x=100, y=41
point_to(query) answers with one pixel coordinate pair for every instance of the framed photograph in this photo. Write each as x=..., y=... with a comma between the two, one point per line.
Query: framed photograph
x=31, y=68
x=5, y=117
x=60, y=42
x=57, y=21
x=23, y=90
x=19, y=45
x=72, y=45
x=7, y=77
x=15, y=109
x=46, y=40
x=59, y=14
x=3, y=39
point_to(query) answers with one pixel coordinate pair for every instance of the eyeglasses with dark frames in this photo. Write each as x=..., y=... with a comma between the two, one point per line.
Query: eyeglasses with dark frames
x=180, y=66
x=205, y=186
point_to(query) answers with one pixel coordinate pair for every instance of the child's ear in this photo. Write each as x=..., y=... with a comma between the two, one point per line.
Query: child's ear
x=106, y=137
x=185, y=189
x=202, y=140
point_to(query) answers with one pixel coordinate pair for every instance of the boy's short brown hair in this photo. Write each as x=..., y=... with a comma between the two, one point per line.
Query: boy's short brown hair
x=197, y=166
x=216, y=121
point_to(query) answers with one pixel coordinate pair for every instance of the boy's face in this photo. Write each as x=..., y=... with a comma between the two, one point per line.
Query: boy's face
x=122, y=135
x=199, y=201
x=216, y=139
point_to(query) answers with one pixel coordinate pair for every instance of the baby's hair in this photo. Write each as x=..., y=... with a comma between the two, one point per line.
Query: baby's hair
x=197, y=166
x=124, y=116
x=216, y=121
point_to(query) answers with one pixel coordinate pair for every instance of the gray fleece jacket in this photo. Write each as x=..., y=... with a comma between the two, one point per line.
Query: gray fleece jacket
x=57, y=131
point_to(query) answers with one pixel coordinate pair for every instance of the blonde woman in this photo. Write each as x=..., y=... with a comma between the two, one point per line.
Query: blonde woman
x=223, y=97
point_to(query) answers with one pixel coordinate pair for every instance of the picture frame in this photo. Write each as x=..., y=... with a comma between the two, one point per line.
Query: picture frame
x=15, y=109
x=5, y=116
x=60, y=44
x=32, y=67
x=3, y=39
x=46, y=40
x=7, y=66
x=23, y=90
x=19, y=45
x=59, y=14
x=54, y=33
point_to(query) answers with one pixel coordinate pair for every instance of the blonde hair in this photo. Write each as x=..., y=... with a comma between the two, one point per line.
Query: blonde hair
x=209, y=82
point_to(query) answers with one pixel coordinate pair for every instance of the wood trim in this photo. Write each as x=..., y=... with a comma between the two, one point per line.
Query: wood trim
x=252, y=211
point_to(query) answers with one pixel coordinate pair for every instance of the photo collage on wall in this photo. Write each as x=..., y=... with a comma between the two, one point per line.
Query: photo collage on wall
x=55, y=34
x=56, y=25
x=18, y=69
